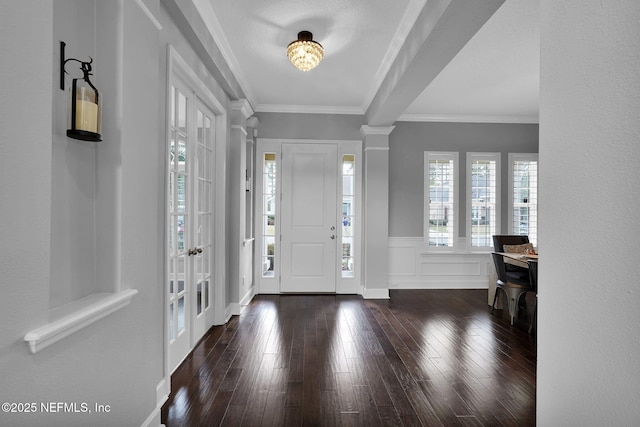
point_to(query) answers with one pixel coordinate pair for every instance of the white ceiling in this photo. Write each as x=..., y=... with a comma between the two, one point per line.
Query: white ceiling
x=494, y=78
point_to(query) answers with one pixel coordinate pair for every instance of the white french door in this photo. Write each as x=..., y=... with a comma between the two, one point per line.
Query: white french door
x=309, y=217
x=190, y=220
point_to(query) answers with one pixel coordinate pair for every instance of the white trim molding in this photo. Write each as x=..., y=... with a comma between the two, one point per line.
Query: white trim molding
x=468, y=118
x=375, y=293
x=410, y=267
x=376, y=130
x=244, y=106
x=308, y=109
x=75, y=316
x=149, y=14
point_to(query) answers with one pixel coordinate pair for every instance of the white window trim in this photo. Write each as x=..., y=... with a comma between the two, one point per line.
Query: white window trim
x=517, y=157
x=470, y=158
x=441, y=155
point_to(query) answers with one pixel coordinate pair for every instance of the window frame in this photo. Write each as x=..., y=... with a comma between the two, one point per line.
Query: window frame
x=471, y=157
x=521, y=157
x=453, y=156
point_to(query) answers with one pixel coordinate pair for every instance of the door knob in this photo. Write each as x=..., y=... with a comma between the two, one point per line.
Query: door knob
x=333, y=236
x=332, y=228
x=192, y=252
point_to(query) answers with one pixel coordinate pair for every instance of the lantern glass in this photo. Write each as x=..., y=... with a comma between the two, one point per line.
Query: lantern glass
x=84, y=112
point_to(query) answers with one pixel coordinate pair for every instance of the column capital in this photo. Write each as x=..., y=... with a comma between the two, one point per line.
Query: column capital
x=366, y=130
x=253, y=122
x=243, y=106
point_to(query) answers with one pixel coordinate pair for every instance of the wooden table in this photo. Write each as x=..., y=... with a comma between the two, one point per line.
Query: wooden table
x=520, y=257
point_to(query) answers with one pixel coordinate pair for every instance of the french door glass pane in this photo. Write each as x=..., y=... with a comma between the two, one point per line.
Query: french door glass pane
x=199, y=298
x=171, y=321
x=182, y=112
x=205, y=290
x=181, y=314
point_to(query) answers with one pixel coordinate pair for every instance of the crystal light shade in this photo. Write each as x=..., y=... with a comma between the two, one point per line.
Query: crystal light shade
x=305, y=53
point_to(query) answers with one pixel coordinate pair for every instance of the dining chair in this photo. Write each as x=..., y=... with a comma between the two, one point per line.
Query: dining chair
x=499, y=240
x=514, y=285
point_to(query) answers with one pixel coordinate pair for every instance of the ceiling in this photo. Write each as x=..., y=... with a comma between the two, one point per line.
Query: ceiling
x=494, y=77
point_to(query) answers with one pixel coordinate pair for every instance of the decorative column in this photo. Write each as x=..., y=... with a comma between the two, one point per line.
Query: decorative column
x=240, y=111
x=376, y=211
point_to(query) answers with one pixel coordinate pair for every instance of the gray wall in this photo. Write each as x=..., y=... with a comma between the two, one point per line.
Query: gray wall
x=410, y=140
x=118, y=360
x=309, y=126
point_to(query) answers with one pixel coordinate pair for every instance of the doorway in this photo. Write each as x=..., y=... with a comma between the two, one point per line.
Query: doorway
x=308, y=232
x=194, y=300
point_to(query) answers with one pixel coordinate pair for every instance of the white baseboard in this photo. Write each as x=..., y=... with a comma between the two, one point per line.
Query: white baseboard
x=375, y=293
x=163, y=389
x=244, y=301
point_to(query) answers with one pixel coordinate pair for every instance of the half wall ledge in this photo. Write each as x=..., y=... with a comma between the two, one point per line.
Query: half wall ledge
x=76, y=315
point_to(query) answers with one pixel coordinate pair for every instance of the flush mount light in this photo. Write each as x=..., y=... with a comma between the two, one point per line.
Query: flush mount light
x=305, y=53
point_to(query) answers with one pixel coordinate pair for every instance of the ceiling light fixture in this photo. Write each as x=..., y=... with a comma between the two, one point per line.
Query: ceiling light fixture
x=305, y=53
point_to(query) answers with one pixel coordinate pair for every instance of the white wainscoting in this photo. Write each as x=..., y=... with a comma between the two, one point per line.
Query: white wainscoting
x=411, y=267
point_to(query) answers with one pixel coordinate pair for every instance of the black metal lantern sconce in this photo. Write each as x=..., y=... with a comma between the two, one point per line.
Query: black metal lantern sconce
x=85, y=103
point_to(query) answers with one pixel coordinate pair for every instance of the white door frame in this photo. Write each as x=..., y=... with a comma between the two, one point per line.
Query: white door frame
x=178, y=68
x=271, y=285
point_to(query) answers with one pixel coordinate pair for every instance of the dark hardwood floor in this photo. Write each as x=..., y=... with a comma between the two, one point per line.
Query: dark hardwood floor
x=422, y=358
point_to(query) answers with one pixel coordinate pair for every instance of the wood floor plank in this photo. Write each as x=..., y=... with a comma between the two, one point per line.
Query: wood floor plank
x=423, y=358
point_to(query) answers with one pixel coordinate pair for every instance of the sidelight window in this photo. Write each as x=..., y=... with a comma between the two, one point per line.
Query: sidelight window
x=348, y=214
x=269, y=214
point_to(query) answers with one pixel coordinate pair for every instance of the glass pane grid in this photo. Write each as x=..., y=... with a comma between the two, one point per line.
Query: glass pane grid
x=348, y=215
x=483, y=202
x=268, y=214
x=441, y=199
x=525, y=198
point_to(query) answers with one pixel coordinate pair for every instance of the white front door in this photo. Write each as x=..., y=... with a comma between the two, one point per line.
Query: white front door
x=309, y=217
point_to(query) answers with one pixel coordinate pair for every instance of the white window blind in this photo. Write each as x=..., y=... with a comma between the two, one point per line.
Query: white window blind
x=440, y=200
x=483, y=194
x=523, y=195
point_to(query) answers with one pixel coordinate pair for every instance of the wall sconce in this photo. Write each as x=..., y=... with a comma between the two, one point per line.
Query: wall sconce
x=85, y=103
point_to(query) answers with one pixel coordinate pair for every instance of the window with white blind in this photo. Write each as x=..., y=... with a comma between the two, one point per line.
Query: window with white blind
x=440, y=200
x=523, y=195
x=483, y=199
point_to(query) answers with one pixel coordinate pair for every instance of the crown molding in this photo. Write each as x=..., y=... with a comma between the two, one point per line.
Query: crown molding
x=468, y=118
x=243, y=106
x=308, y=109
